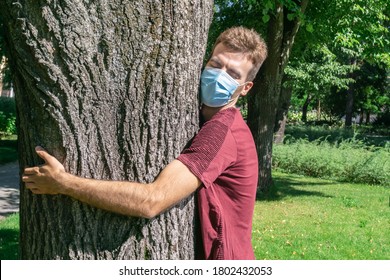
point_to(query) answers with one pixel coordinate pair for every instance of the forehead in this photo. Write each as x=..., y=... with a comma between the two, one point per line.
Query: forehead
x=237, y=61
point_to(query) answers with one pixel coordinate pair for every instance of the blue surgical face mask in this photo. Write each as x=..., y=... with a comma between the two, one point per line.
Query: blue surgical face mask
x=217, y=87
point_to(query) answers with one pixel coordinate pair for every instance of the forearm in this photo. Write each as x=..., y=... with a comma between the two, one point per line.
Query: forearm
x=173, y=184
x=127, y=198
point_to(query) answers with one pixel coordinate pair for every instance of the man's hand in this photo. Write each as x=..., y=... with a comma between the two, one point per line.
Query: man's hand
x=44, y=179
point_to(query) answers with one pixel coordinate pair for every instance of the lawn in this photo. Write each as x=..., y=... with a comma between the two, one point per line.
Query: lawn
x=314, y=219
x=302, y=218
x=9, y=238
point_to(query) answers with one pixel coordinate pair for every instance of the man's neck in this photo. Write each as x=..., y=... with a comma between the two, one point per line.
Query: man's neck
x=209, y=112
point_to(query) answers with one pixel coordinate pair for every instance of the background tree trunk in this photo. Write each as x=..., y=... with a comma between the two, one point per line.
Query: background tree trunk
x=282, y=112
x=318, y=109
x=305, y=107
x=264, y=101
x=350, y=98
x=111, y=89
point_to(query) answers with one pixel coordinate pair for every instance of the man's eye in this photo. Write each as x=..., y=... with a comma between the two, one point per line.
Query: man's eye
x=215, y=65
x=234, y=75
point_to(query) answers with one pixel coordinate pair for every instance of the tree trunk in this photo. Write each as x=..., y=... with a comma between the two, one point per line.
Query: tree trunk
x=264, y=100
x=279, y=135
x=111, y=89
x=349, y=108
x=305, y=107
x=368, y=117
x=318, y=110
x=281, y=115
x=350, y=99
x=2, y=65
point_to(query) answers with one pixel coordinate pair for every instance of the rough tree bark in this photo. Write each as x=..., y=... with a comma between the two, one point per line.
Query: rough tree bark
x=110, y=88
x=264, y=101
x=282, y=112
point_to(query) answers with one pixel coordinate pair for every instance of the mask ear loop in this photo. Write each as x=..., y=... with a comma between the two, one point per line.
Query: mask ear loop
x=232, y=99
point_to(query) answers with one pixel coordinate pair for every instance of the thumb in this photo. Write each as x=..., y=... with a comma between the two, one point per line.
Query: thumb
x=43, y=154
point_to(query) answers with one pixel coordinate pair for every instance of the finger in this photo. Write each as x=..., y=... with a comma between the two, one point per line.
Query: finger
x=49, y=159
x=31, y=170
x=28, y=179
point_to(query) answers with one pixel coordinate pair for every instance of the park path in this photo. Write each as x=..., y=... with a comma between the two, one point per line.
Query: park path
x=9, y=189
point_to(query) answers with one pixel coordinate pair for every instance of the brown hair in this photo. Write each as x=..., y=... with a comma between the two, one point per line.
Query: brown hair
x=247, y=41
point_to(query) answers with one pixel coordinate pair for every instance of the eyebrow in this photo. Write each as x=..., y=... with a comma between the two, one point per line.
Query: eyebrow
x=215, y=60
x=229, y=70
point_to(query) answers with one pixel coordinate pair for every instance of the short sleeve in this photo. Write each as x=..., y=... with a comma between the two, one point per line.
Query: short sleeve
x=212, y=151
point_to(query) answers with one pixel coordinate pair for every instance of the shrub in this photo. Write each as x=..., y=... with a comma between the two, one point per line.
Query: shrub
x=368, y=135
x=348, y=160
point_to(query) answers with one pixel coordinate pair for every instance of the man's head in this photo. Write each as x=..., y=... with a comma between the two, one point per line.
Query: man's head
x=246, y=41
x=237, y=56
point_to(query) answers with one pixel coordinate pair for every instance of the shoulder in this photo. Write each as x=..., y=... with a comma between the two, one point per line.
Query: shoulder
x=214, y=131
x=213, y=149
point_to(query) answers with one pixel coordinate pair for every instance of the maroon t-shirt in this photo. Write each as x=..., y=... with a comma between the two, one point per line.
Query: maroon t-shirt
x=223, y=156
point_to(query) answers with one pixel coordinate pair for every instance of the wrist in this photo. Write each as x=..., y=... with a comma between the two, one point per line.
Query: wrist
x=63, y=180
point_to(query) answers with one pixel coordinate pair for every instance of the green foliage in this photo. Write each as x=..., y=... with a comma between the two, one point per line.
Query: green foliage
x=314, y=219
x=347, y=160
x=321, y=65
x=371, y=88
x=7, y=116
x=2, y=41
x=383, y=118
x=317, y=70
x=5, y=73
x=9, y=238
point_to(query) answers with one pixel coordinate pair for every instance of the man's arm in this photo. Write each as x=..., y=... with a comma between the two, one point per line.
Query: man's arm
x=174, y=183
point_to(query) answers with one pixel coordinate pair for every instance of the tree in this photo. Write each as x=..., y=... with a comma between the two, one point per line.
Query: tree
x=110, y=89
x=283, y=22
x=371, y=96
x=314, y=73
x=345, y=41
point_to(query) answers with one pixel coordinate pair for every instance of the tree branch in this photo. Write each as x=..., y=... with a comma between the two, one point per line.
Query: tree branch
x=290, y=31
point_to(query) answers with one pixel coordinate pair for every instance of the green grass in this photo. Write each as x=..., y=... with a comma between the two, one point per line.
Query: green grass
x=314, y=219
x=302, y=218
x=9, y=238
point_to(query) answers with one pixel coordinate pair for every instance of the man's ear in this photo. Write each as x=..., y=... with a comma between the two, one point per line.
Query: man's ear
x=247, y=87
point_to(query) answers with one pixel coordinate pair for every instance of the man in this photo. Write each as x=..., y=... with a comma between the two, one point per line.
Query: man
x=221, y=162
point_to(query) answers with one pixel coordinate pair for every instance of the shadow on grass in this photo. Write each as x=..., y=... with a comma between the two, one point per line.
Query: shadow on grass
x=9, y=244
x=285, y=186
